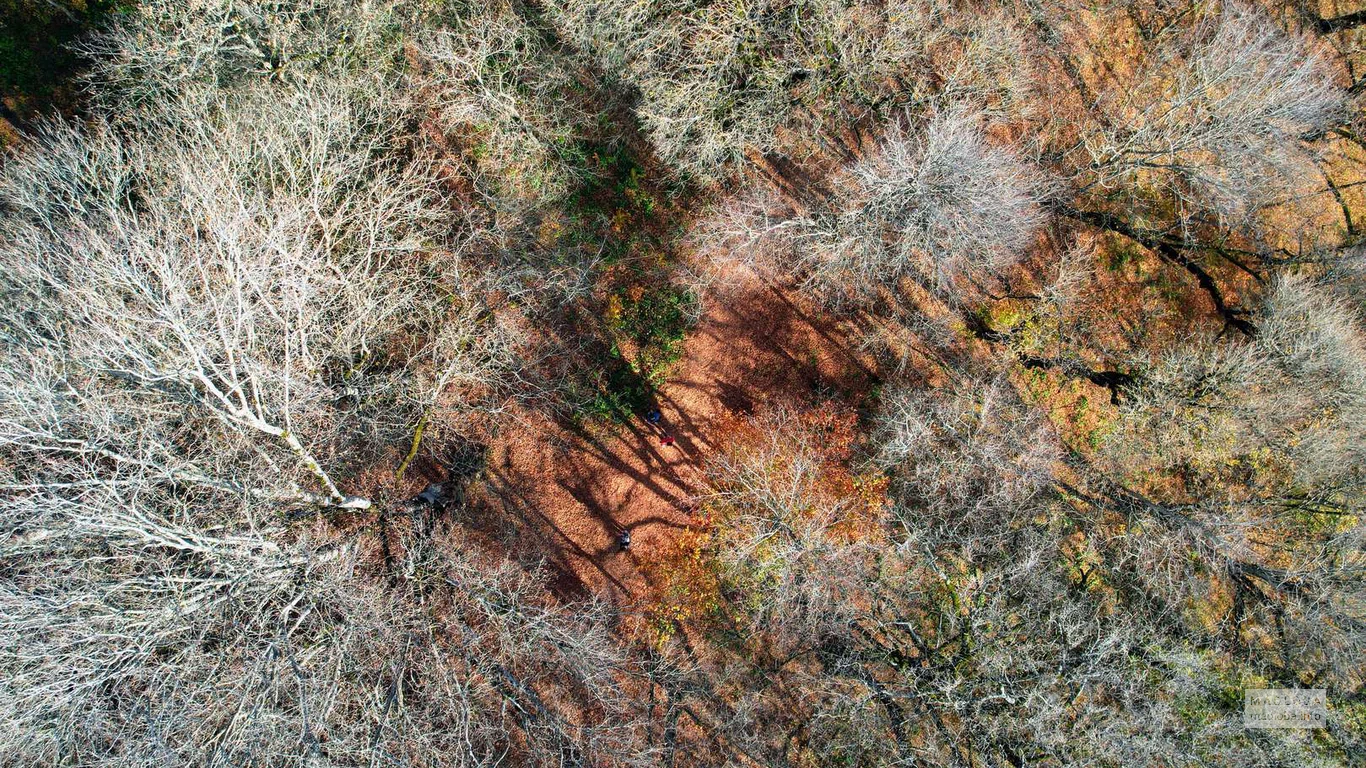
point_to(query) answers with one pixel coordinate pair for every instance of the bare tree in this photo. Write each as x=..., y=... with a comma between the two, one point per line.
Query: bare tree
x=718, y=82
x=252, y=290
x=1004, y=454
x=514, y=103
x=1245, y=453
x=216, y=312
x=967, y=625
x=1219, y=117
x=166, y=54
x=146, y=627
x=944, y=208
x=949, y=207
x=793, y=543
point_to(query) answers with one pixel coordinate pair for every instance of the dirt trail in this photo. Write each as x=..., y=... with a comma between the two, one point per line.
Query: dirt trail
x=574, y=493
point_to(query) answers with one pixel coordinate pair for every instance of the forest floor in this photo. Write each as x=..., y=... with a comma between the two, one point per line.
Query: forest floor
x=568, y=490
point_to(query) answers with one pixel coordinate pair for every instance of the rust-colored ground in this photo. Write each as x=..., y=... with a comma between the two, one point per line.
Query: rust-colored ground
x=568, y=493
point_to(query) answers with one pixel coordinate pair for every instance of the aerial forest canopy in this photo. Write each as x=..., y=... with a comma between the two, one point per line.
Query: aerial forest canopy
x=661, y=383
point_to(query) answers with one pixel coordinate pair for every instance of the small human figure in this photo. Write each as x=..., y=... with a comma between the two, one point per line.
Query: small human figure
x=666, y=440
x=430, y=495
x=624, y=540
x=654, y=416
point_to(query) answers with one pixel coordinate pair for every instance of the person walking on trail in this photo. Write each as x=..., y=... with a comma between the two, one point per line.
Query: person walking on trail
x=656, y=419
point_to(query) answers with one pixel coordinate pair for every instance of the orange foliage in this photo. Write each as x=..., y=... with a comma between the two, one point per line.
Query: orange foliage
x=783, y=443
x=827, y=434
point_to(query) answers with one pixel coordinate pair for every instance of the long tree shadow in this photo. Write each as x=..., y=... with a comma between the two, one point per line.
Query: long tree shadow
x=620, y=223
x=553, y=539
x=823, y=330
x=589, y=494
x=643, y=451
x=692, y=436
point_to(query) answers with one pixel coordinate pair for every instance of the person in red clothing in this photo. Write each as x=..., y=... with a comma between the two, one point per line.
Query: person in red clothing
x=655, y=419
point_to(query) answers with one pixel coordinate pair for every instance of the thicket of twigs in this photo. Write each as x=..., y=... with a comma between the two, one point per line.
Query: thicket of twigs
x=1104, y=256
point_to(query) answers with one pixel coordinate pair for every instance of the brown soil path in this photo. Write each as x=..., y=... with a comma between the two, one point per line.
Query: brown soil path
x=572, y=494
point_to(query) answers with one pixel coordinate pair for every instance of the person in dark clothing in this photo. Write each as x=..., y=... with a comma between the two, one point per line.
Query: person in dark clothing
x=624, y=540
x=430, y=495
x=654, y=416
